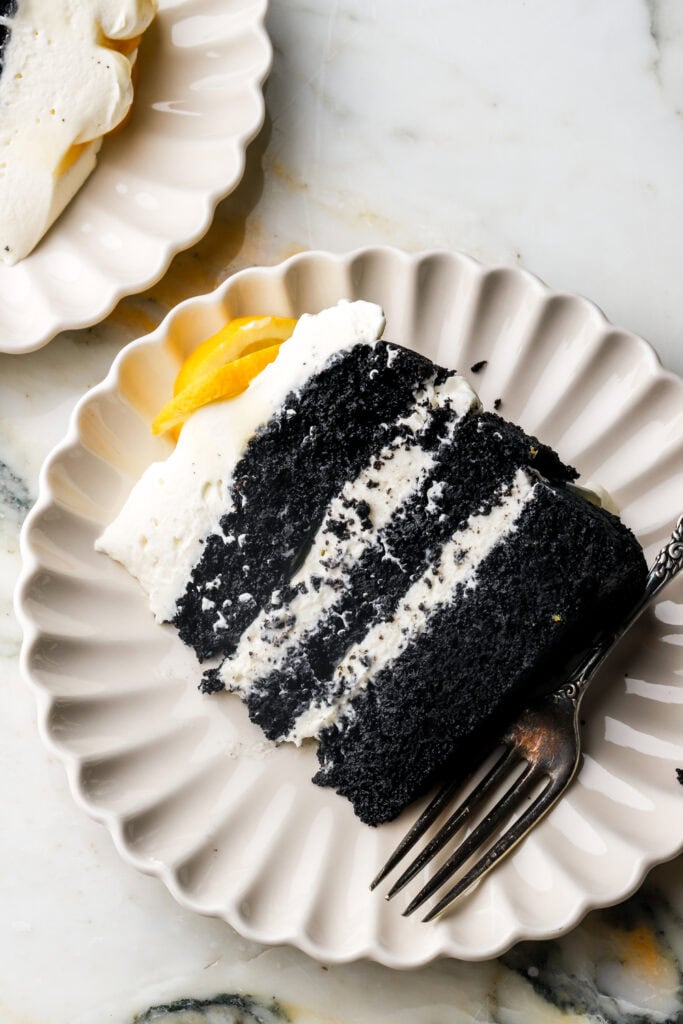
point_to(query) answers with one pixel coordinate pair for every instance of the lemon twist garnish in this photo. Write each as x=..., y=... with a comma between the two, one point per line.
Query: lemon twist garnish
x=238, y=338
x=223, y=366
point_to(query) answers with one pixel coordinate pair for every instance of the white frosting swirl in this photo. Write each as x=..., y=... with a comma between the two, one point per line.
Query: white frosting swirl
x=62, y=86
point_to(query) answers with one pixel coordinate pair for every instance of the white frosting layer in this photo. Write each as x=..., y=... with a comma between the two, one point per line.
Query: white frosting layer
x=262, y=647
x=457, y=566
x=61, y=87
x=383, y=488
x=176, y=504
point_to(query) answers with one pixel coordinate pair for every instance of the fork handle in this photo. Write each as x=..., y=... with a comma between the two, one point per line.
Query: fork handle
x=667, y=564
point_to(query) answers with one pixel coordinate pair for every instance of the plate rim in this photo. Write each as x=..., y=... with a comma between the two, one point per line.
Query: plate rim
x=374, y=950
x=212, y=197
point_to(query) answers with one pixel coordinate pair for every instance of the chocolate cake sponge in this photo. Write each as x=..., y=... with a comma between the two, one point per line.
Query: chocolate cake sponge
x=292, y=468
x=382, y=610
x=469, y=473
x=571, y=570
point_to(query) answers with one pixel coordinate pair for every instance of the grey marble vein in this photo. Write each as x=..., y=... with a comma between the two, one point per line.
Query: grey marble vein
x=15, y=499
x=221, y=1009
x=653, y=23
x=618, y=967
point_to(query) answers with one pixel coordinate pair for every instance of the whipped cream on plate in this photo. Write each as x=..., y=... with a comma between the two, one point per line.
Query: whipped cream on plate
x=66, y=81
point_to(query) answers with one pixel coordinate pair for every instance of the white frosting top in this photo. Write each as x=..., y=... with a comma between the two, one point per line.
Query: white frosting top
x=177, y=503
x=61, y=86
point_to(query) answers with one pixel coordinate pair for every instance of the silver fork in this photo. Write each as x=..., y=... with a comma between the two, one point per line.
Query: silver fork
x=544, y=742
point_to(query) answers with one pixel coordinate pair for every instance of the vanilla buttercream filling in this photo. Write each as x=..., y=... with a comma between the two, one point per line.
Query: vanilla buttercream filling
x=455, y=568
x=382, y=488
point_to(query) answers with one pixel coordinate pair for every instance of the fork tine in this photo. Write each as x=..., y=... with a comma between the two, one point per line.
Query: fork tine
x=484, y=829
x=514, y=835
x=427, y=818
x=457, y=818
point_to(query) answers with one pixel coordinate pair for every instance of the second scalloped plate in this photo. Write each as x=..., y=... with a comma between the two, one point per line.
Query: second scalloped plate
x=186, y=784
x=198, y=102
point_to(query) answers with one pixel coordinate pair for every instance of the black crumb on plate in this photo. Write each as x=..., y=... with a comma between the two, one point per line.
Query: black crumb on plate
x=497, y=404
x=211, y=681
x=679, y=775
x=479, y=366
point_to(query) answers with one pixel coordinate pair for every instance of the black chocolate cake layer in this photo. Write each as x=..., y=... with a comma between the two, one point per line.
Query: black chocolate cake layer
x=484, y=454
x=568, y=570
x=535, y=572
x=289, y=473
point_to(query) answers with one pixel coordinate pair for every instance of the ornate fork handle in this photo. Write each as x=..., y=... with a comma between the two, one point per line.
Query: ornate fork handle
x=670, y=559
x=667, y=564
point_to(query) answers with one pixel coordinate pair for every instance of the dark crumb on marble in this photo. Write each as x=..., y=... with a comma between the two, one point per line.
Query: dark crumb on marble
x=679, y=775
x=497, y=404
x=478, y=367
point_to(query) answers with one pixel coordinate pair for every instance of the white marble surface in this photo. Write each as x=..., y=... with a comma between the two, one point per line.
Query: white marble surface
x=544, y=133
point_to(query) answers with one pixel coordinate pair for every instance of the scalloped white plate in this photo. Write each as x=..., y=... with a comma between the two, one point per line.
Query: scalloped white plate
x=187, y=786
x=198, y=103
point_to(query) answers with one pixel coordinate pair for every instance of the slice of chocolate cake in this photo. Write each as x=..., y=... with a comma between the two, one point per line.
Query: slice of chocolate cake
x=370, y=560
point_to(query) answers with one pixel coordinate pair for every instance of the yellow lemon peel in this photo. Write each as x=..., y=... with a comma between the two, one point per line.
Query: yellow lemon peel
x=237, y=338
x=220, y=383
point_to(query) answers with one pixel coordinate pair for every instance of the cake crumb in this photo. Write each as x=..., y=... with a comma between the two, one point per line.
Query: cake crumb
x=557, y=618
x=679, y=775
x=477, y=367
x=497, y=404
